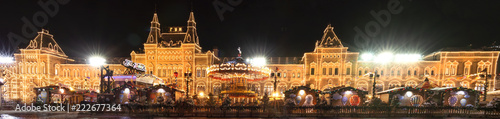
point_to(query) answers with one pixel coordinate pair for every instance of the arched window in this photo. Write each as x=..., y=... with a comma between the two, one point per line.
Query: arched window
x=268, y=88
x=362, y=85
x=394, y=84
x=479, y=86
x=200, y=88
x=449, y=84
x=464, y=84
x=411, y=84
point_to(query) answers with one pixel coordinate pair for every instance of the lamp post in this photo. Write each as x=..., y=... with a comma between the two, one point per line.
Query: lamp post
x=374, y=76
x=485, y=83
x=176, y=74
x=188, y=75
x=100, y=62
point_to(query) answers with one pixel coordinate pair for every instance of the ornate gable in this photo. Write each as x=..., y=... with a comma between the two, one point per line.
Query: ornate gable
x=45, y=41
x=329, y=38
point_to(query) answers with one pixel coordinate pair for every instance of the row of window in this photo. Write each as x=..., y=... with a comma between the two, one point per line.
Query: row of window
x=332, y=71
x=284, y=75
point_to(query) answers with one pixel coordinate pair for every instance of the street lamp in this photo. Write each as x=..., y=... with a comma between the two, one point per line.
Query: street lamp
x=188, y=75
x=6, y=60
x=485, y=83
x=100, y=62
x=374, y=76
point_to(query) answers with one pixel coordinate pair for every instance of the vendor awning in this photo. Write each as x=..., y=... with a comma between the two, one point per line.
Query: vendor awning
x=441, y=88
x=387, y=91
x=494, y=92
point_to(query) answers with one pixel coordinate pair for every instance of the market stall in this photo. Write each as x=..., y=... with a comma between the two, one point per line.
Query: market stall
x=455, y=96
x=301, y=92
x=125, y=93
x=345, y=96
x=162, y=93
x=405, y=96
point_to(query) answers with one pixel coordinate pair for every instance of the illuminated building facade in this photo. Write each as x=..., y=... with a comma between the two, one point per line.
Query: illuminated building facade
x=330, y=64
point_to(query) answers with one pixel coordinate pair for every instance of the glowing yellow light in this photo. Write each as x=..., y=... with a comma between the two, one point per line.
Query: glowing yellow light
x=70, y=88
x=302, y=92
x=201, y=94
x=275, y=94
x=61, y=90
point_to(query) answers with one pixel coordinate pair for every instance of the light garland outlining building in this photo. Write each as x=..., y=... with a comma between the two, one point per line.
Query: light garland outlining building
x=43, y=63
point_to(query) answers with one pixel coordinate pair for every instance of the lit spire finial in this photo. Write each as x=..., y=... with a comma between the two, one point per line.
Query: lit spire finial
x=239, y=50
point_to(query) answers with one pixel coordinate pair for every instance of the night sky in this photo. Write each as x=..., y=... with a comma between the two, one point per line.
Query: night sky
x=277, y=28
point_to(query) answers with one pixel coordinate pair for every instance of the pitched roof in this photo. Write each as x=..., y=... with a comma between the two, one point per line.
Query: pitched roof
x=45, y=41
x=329, y=38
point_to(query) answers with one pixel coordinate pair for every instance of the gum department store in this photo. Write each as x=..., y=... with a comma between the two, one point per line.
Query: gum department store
x=330, y=64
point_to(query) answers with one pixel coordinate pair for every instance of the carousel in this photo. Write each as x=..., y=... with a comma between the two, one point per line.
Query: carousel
x=236, y=74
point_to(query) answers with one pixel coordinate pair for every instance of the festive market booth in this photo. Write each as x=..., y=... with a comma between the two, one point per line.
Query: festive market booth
x=53, y=94
x=345, y=96
x=406, y=96
x=160, y=93
x=125, y=93
x=455, y=96
x=236, y=75
x=301, y=92
x=84, y=95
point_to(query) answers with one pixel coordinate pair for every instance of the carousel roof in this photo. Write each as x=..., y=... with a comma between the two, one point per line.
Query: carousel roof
x=238, y=68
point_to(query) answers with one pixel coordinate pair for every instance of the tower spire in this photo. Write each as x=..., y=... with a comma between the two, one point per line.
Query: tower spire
x=154, y=32
x=191, y=35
